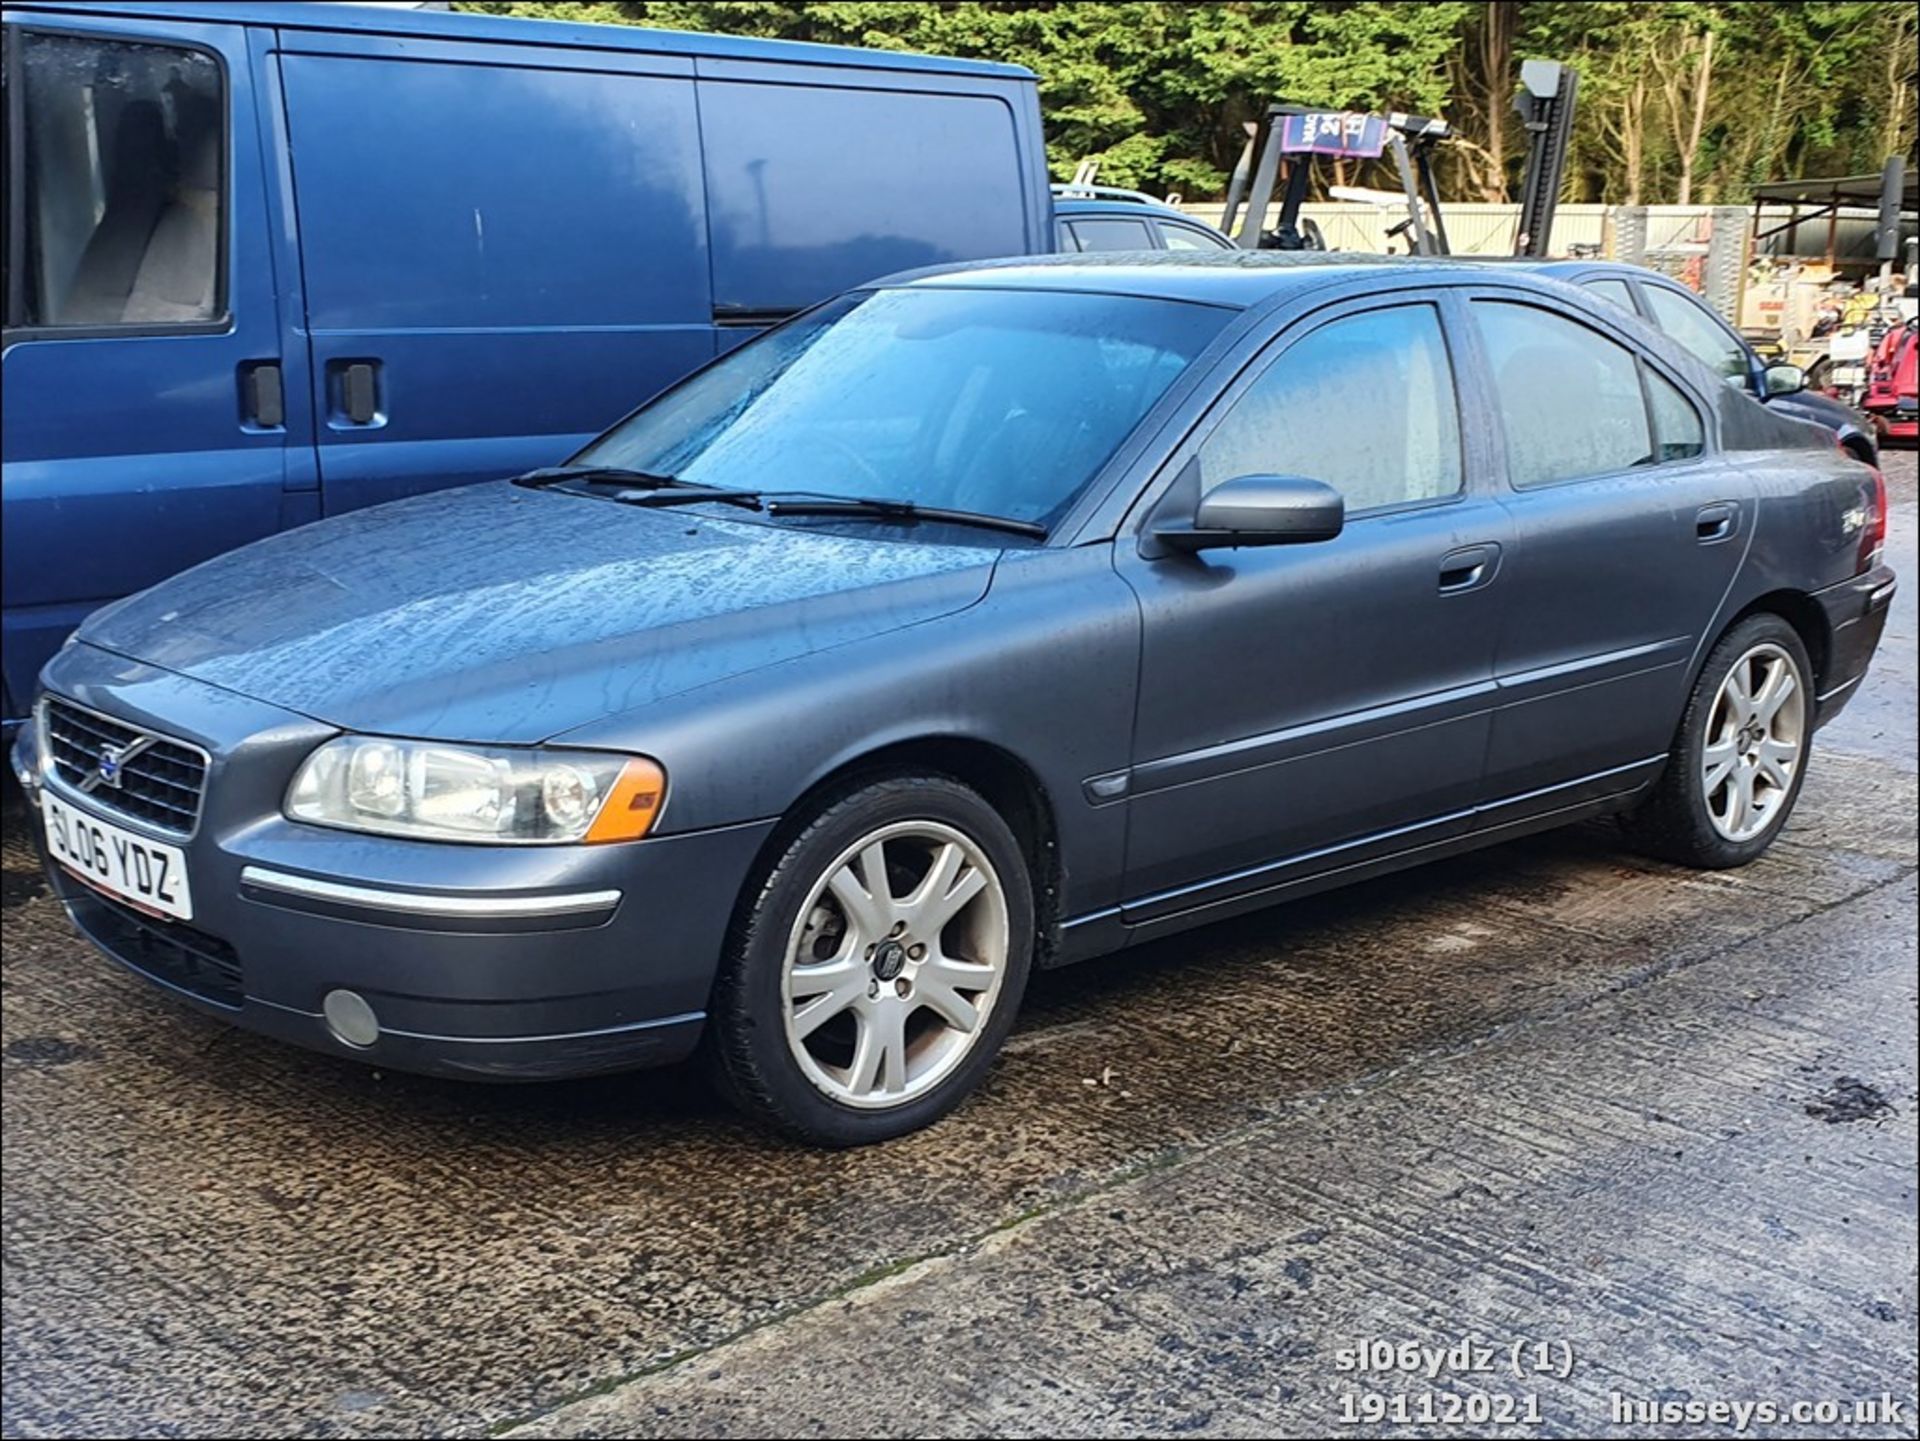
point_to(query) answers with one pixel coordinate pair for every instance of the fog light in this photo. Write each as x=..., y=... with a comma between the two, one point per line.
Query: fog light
x=350, y=1018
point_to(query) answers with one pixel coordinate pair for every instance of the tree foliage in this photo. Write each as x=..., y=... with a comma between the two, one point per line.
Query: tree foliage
x=1701, y=97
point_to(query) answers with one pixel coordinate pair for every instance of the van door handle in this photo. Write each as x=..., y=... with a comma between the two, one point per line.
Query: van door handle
x=356, y=392
x=1469, y=568
x=353, y=393
x=1715, y=522
x=263, y=394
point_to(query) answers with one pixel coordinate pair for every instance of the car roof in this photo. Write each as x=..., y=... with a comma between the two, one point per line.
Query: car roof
x=1238, y=278
x=499, y=29
x=1098, y=205
x=1619, y=269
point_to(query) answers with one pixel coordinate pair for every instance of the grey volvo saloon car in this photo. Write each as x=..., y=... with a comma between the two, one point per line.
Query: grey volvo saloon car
x=983, y=618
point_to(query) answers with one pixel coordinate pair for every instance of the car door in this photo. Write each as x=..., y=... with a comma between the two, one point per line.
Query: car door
x=1628, y=531
x=1303, y=707
x=148, y=423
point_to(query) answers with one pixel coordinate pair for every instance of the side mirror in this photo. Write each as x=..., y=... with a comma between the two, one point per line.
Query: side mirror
x=1782, y=379
x=1257, y=510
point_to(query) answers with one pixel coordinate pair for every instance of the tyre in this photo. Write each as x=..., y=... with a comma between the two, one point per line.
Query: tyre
x=1740, y=755
x=874, y=970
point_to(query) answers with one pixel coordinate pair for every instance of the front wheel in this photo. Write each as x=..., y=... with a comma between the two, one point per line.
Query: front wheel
x=1741, y=752
x=873, y=974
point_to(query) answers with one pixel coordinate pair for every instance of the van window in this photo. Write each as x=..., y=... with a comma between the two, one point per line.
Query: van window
x=1569, y=398
x=120, y=198
x=815, y=188
x=1366, y=404
x=1696, y=328
x=1111, y=235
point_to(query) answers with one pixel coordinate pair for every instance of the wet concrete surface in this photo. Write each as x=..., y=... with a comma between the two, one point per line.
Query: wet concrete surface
x=1550, y=1089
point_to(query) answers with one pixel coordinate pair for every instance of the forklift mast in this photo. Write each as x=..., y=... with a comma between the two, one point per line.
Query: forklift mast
x=1545, y=103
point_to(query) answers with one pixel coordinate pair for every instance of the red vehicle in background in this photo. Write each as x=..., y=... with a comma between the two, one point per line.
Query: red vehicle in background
x=1890, y=397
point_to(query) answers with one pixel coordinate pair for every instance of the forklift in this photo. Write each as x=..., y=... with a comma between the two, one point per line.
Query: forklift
x=1280, y=152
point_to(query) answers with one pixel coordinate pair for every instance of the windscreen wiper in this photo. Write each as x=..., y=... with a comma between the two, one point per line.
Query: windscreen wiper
x=597, y=475
x=907, y=511
x=639, y=487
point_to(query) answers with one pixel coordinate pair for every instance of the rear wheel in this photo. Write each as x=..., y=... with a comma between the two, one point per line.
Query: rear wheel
x=872, y=977
x=1741, y=752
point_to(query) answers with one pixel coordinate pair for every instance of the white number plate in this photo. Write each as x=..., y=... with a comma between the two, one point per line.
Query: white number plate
x=145, y=873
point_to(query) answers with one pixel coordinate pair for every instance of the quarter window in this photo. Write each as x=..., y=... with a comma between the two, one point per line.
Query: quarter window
x=1690, y=323
x=1365, y=403
x=1185, y=237
x=119, y=195
x=1111, y=235
x=1675, y=422
x=1569, y=399
x=1614, y=292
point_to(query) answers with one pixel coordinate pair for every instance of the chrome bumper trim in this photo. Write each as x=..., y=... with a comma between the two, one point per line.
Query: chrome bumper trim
x=422, y=903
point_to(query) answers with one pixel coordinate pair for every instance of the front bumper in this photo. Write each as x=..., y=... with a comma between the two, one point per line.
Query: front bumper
x=486, y=962
x=1856, y=612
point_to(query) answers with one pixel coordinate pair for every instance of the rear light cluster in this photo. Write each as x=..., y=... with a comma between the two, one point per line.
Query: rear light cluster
x=1873, y=531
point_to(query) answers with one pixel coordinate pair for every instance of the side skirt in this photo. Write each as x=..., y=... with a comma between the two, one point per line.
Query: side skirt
x=1104, y=932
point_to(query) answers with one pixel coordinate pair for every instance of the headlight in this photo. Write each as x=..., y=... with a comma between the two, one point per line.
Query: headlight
x=441, y=792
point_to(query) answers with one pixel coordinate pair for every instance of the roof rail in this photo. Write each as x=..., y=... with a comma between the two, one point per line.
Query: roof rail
x=1067, y=191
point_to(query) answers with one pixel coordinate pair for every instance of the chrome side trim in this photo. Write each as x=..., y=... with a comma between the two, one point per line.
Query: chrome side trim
x=422, y=903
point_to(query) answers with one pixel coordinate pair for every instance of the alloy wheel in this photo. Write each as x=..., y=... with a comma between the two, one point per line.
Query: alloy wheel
x=894, y=964
x=1756, y=733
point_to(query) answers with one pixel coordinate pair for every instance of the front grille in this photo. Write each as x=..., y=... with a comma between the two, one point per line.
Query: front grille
x=180, y=956
x=160, y=781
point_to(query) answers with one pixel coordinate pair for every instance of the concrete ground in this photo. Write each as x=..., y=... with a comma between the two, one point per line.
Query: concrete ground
x=1662, y=1122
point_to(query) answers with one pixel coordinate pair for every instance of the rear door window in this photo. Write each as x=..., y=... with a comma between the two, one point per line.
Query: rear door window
x=1115, y=234
x=1569, y=399
x=1696, y=328
x=119, y=191
x=1365, y=403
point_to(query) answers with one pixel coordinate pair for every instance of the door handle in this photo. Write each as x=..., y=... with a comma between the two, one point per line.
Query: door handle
x=1469, y=568
x=356, y=392
x=353, y=392
x=1715, y=522
x=263, y=394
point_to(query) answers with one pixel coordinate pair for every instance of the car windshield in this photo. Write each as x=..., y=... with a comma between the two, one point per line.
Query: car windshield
x=1004, y=402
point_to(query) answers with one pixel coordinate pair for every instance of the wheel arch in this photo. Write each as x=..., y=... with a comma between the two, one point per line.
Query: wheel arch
x=1003, y=780
x=1803, y=613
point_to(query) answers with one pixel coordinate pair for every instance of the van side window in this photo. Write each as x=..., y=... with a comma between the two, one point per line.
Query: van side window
x=1569, y=399
x=1365, y=403
x=1675, y=422
x=121, y=200
x=1696, y=328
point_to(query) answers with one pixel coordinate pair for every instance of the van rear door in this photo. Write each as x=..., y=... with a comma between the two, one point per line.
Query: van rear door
x=148, y=418
x=504, y=250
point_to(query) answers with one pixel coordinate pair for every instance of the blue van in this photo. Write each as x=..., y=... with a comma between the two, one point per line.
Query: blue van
x=269, y=262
